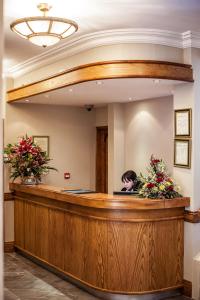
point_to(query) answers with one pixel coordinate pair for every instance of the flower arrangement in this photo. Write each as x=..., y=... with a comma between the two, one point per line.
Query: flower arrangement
x=158, y=184
x=26, y=159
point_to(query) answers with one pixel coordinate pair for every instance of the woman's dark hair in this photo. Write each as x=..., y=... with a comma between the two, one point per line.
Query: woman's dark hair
x=129, y=175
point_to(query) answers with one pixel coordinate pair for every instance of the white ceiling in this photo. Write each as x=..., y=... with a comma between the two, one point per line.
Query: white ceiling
x=102, y=92
x=92, y=16
x=98, y=15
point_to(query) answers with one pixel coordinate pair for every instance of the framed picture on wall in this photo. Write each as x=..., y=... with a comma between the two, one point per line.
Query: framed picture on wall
x=182, y=153
x=183, y=122
x=43, y=142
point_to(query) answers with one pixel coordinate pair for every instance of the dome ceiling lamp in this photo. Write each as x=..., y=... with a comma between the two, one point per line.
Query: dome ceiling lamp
x=44, y=30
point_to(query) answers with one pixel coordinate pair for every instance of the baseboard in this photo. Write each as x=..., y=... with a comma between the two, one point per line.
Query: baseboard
x=8, y=247
x=187, y=288
x=192, y=216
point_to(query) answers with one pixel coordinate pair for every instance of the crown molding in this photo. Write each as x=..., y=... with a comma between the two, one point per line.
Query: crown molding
x=191, y=39
x=107, y=37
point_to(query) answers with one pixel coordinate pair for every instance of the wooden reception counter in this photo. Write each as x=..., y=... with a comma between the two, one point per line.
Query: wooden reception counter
x=105, y=243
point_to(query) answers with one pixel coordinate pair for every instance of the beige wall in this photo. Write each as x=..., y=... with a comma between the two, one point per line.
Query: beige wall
x=72, y=144
x=72, y=139
x=148, y=130
x=103, y=53
x=101, y=116
x=116, y=149
x=1, y=146
x=137, y=130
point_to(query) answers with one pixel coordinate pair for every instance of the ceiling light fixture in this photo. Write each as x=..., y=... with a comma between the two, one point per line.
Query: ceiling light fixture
x=44, y=30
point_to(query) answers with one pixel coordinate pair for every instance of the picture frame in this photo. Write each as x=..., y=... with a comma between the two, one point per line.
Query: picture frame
x=182, y=153
x=183, y=123
x=42, y=141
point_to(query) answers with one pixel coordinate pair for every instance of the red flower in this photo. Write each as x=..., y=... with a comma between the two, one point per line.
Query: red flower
x=170, y=188
x=150, y=185
x=155, y=161
x=159, y=179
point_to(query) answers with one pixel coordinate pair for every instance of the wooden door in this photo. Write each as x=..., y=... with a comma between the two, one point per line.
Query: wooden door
x=102, y=159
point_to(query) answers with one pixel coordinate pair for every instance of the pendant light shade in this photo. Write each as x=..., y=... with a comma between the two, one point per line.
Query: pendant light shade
x=43, y=30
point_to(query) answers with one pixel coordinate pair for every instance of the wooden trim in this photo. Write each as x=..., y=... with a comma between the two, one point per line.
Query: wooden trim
x=184, y=110
x=132, y=217
x=192, y=216
x=187, y=288
x=97, y=200
x=8, y=196
x=9, y=247
x=189, y=147
x=105, y=70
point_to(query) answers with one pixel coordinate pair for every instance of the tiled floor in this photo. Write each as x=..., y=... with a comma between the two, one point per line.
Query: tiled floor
x=26, y=281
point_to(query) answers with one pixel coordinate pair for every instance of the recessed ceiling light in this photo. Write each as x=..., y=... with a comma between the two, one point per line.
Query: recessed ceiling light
x=99, y=82
x=156, y=80
x=27, y=100
x=70, y=90
x=130, y=98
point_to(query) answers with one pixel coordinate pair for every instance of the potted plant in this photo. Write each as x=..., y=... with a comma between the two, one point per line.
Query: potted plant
x=158, y=184
x=28, y=161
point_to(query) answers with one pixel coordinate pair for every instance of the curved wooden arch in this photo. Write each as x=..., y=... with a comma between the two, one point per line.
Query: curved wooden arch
x=105, y=70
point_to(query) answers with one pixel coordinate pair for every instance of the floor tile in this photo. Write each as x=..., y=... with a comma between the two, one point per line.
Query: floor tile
x=24, y=280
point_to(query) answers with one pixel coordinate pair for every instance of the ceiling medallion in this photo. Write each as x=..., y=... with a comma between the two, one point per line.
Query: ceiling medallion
x=44, y=30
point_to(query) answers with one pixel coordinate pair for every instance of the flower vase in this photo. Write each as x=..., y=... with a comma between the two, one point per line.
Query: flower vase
x=29, y=180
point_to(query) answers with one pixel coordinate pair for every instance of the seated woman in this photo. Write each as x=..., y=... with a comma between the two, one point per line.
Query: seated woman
x=130, y=181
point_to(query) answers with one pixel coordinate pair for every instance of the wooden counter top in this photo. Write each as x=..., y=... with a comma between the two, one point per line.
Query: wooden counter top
x=107, y=244
x=99, y=200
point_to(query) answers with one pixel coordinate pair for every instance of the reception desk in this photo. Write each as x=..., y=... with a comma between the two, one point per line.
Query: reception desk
x=107, y=244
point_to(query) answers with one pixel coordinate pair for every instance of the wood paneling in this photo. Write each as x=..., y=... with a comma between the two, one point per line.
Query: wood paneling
x=192, y=216
x=56, y=238
x=125, y=251
x=105, y=70
x=102, y=159
x=30, y=227
x=42, y=232
x=19, y=222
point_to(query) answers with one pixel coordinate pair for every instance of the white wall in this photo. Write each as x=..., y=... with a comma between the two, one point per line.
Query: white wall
x=103, y=53
x=188, y=96
x=116, y=135
x=148, y=130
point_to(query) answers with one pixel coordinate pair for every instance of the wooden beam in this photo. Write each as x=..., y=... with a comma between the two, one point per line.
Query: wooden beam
x=105, y=70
